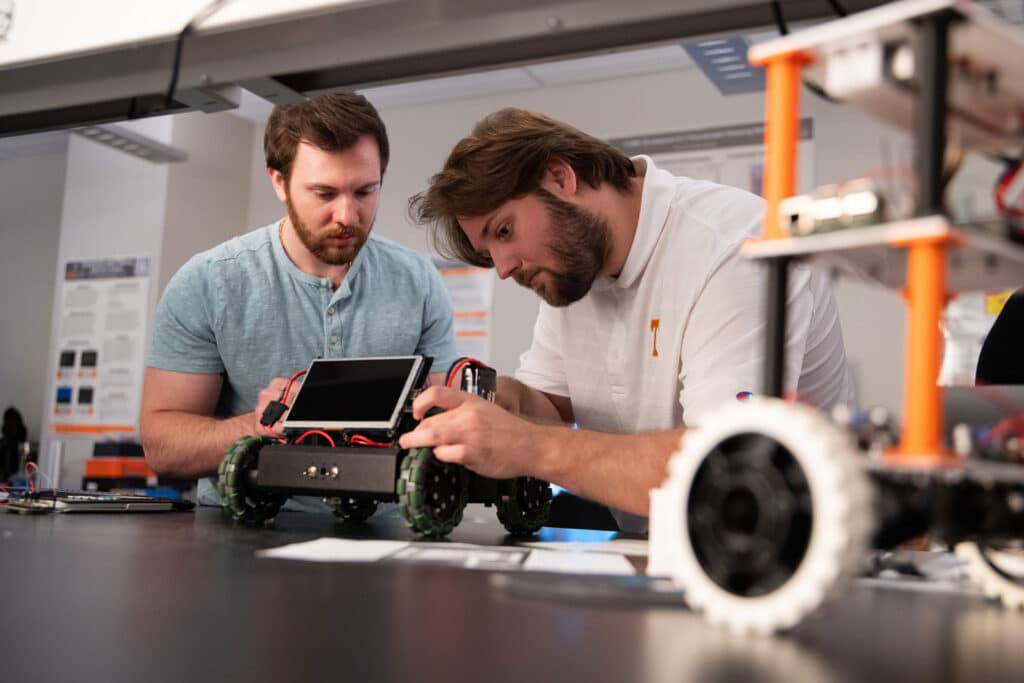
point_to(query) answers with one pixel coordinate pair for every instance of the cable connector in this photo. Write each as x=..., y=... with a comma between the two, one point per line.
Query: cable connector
x=272, y=413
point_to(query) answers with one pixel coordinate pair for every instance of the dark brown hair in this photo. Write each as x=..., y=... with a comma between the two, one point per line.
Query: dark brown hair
x=331, y=122
x=504, y=158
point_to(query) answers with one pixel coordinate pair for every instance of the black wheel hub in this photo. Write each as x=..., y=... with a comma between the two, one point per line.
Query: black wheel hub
x=353, y=508
x=749, y=515
x=532, y=495
x=442, y=489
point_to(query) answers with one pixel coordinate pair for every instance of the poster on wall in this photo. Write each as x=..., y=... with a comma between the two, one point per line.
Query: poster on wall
x=471, y=290
x=100, y=348
x=730, y=155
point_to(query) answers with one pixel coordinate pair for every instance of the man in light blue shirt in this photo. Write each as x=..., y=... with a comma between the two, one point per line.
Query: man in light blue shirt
x=237, y=320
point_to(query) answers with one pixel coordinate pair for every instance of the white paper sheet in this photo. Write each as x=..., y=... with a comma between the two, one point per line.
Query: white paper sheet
x=463, y=555
x=335, y=550
x=578, y=563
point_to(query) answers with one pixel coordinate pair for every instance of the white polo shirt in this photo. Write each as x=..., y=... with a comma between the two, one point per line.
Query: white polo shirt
x=681, y=330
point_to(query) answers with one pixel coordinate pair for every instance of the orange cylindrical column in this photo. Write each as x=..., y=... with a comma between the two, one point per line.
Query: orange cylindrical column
x=781, y=134
x=922, y=400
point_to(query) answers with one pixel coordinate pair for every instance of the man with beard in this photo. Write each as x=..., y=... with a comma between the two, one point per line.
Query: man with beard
x=237, y=320
x=650, y=319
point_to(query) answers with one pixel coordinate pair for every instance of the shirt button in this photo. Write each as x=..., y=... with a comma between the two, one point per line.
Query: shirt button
x=334, y=339
x=325, y=282
x=330, y=311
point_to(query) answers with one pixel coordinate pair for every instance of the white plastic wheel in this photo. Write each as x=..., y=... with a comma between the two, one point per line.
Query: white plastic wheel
x=998, y=573
x=796, y=479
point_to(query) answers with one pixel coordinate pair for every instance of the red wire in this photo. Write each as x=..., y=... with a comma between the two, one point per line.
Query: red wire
x=1000, y=398
x=366, y=441
x=1002, y=184
x=457, y=368
x=288, y=387
x=318, y=432
x=272, y=435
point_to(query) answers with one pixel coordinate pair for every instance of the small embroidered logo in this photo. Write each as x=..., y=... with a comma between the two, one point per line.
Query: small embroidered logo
x=743, y=395
x=655, y=324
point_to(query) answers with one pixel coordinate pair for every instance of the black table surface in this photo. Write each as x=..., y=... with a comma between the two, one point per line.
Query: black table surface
x=182, y=596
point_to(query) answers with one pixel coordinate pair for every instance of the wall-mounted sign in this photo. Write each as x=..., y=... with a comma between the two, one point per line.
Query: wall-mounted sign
x=471, y=291
x=100, y=349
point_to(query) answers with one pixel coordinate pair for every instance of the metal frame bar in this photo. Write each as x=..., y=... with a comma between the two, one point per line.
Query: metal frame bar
x=775, y=326
x=350, y=47
x=931, y=55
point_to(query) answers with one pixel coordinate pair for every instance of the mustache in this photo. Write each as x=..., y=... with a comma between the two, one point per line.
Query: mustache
x=344, y=231
x=524, y=278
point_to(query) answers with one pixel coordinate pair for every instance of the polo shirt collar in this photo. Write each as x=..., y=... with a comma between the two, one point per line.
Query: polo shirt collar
x=655, y=201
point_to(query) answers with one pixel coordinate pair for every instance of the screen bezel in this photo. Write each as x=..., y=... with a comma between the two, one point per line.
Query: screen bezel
x=414, y=373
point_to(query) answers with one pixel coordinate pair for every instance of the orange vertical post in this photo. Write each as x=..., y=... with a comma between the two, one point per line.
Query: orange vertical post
x=781, y=134
x=922, y=396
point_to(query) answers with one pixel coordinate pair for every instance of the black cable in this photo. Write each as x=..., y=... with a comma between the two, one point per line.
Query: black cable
x=838, y=8
x=176, y=68
x=780, y=23
x=179, y=43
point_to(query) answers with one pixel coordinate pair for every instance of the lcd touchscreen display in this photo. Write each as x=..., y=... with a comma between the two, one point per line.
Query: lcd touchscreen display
x=354, y=393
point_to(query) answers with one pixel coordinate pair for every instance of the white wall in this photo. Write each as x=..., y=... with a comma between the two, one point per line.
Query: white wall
x=208, y=195
x=31, y=182
x=264, y=206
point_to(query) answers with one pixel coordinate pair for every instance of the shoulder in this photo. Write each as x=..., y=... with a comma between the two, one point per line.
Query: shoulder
x=712, y=219
x=242, y=252
x=250, y=246
x=396, y=258
x=709, y=203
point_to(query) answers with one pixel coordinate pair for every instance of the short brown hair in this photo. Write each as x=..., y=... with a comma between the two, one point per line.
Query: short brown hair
x=502, y=159
x=331, y=122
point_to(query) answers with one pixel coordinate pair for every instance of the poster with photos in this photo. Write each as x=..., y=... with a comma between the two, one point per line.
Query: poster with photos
x=471, y=290
x=100, y=350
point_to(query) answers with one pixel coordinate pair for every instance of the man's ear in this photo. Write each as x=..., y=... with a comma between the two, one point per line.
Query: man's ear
x=279, y=183
x=559, y=179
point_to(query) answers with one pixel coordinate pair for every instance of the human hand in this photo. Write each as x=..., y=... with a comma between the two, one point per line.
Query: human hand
x=475, y=433
x=269, y=393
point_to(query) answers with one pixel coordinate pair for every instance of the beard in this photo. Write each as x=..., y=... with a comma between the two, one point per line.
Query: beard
x=320, y=245
x=579, y=242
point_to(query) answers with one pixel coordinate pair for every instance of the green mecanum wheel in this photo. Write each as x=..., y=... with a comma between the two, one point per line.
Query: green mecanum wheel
x=431, y=494
x=523, y=505
x=236, y=497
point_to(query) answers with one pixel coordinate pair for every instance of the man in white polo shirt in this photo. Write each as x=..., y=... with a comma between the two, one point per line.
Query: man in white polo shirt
x=651, y=319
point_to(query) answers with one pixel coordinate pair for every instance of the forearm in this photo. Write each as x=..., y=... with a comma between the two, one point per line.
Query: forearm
x=526, y=401
x=181, y=444
x=618, y=470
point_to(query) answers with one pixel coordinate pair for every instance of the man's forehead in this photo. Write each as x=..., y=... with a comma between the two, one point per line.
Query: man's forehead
x=356, y=165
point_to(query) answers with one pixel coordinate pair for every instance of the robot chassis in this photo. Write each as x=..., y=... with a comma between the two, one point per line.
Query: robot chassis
x=770, y=509
x=258, y=475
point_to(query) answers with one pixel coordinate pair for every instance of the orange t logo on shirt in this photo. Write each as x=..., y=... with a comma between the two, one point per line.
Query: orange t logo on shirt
x=655, y=323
